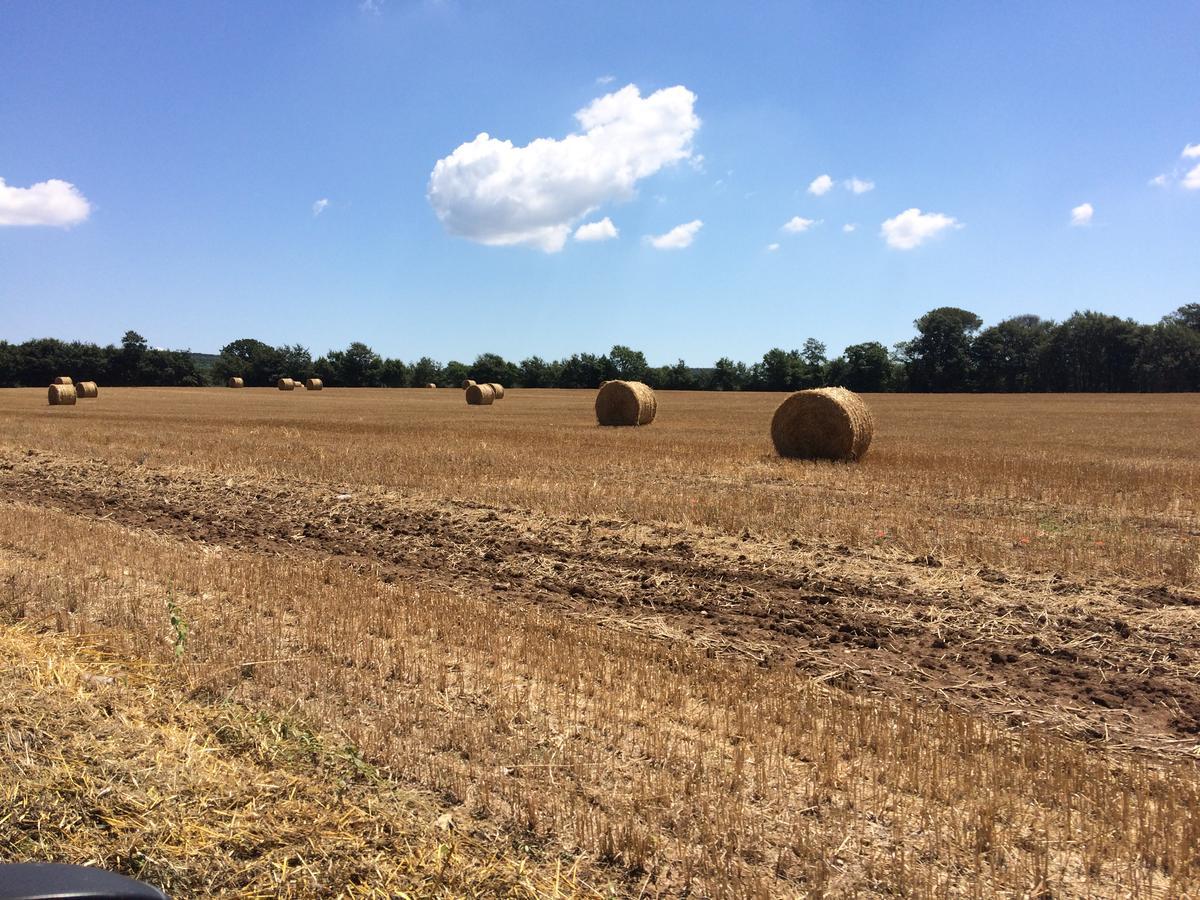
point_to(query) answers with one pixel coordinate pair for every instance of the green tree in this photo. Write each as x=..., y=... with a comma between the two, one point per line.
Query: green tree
x=728, y=375
x=1169, y=358
x=456, y=372
x=627, y=364
x=426, y=371
x=394, y=373
x=258, y=363
x=491, y=368
x=1007, y=356
x=1187, y=315
x=1092, y=351
x=535, y=372
x=862, y=367
x=813, y=363
x=356, y=366
x=940, y=355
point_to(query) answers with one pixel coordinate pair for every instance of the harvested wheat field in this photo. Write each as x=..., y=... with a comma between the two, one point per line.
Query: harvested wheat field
x=522, y=654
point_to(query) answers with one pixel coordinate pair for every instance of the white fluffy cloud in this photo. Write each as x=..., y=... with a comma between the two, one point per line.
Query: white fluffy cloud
x=52, y=202
x=849, y=227
x=912, y=228
x=799, y=224
x=1191, y=180
x=1191, y=151
x=604, y=230
x=859, y=185
x=319, y=206
x=1082, y=214
x=820, y=185
x=489, y=191
x=772, y=247
x=677, y=238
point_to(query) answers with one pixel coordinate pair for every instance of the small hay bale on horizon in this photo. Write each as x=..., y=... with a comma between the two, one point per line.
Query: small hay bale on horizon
x=626, y=403
x=236, y=382
x=823, y=423
x=431, y=385
x=480, y=395
x=468, y=383
x=62, y=379
x=62, y=394
x=87, y=390
x=314, y=384
x=497, y=389
x=286, y=384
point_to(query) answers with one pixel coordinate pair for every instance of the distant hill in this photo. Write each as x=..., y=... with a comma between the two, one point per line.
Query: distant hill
x=204, y=361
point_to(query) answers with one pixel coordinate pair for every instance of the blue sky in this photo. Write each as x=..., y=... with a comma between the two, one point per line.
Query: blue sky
x=194, y=141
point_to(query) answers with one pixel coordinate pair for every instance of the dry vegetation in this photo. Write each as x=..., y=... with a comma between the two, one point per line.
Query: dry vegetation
x=636, y=754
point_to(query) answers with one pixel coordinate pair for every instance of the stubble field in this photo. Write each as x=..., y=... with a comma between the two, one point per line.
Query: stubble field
x=660, y=659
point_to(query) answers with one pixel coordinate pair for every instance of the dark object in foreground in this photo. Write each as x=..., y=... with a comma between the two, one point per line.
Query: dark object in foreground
x=56, y=881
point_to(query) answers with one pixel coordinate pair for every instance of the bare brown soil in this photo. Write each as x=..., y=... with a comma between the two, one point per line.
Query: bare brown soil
x=1104, y=659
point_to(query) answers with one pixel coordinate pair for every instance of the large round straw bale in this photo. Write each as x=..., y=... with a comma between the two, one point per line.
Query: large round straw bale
x=431, y=385
x=314, y=384
x=480, y=395
x=61, y=379
x=497, y=389
x=625, y=403
x=62, y=395
x=468, y=383
x=285, y=384
x=236, y=382
x=87, y=390
x=824, y=423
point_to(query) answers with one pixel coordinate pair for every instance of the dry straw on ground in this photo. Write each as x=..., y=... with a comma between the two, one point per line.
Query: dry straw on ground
x=467, y=383
x=314, y=384
x=497, y=389
x=236, y=382
x=480, y=395
x=625, y=403
x=62, y=395
x=824, y=423
x=286, y=384
x=61, y=379
x=87, y=390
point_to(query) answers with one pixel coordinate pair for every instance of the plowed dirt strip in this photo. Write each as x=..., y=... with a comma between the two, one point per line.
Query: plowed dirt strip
x=1104, y=660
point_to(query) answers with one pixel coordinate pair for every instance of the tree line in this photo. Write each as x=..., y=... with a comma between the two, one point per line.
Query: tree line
x=951, y=352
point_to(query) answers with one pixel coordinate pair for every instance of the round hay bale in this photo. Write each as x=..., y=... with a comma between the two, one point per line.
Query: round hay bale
x=480, y=395
x=236, y=382
x=87, y=390
x=625, y=403
x=285, y=384
x=468, y=383
x=497, y=389
x=431, y=385
x=823, y=423
x=61, y=379
x=62, y=395
x=314, y=384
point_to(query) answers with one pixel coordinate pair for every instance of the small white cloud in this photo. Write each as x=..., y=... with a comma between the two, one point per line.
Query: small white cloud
x=820, y=185
x=53, y=202
x=912, y=228
x=1191, y=151
x=319, y=206
x=677, y=238
x=1158, y=181
x=606, y=79
x=1082, y=214
x=492, y=192
x=371, y=7
x=859, y=185
x=604, y=230
x=849, y=227
x=772, y=247
x=799, y=224
x=1191, y=180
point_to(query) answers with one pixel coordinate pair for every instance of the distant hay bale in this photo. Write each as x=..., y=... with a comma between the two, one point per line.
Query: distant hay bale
x=431, y=385
x=236, y=382
x=61, y=379
x=480, y=395
x=285, y=384
x=62, y=394
x=497, y=389
x=468, y=383
x=314, y=384
x=824, y=423
x=625, y=403
x=87, y=390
